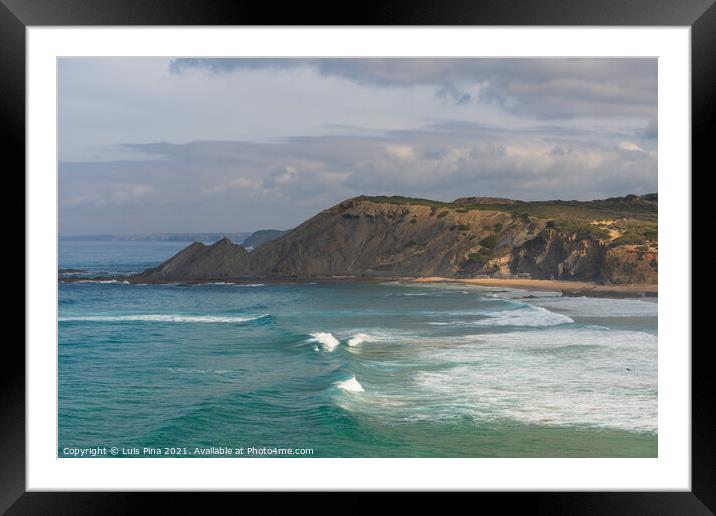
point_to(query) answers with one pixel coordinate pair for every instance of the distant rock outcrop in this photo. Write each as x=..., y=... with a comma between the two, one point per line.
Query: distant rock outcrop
x=261, y=237
x=198, y=261
x=609, y=241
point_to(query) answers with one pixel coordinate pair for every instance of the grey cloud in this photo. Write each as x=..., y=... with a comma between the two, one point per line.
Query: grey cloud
x=449, y=92
x=239, y=145
x=651, y=131
x=259, y=185
x=546, y=88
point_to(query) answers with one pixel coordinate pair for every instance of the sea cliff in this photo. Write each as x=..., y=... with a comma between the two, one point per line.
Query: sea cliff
x=609, y=241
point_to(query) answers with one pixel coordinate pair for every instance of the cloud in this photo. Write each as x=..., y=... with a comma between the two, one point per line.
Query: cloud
x=630, y=146
x=112, y=194
x=240, y=183
x=258, y=185
x=521, y=168
x=280, y=178
x=651, y=131
x=449, y=92
x=547, y=88
x=243, y=144
x=400, y=152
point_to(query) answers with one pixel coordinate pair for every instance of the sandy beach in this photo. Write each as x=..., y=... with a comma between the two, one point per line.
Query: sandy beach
x=569, y=288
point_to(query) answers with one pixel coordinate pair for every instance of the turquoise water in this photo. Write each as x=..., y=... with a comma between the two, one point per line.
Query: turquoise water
x=346, y=370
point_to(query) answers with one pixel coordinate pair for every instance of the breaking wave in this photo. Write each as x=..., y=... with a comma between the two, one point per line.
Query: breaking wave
x=326, y=340
x=350, y=385
x=552, y=376
x=174, y=318
x=522, y=316
x=102, y=281
x=358, y=339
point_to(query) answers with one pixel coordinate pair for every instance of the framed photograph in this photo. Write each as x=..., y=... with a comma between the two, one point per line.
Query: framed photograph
x=436, y=249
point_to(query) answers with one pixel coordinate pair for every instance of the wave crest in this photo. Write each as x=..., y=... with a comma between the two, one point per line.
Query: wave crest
x=326, y=340
x=525, y=316
x=358, y=339
x=165, y=318
x=350, y=385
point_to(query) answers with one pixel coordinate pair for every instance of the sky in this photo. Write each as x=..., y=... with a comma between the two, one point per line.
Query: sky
x=150, y=145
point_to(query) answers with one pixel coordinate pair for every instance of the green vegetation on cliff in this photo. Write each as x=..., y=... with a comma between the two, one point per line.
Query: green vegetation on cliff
x=636, y=215
x=643, y=207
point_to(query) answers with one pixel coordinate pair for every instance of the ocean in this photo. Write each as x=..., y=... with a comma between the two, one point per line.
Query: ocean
x=389, y=369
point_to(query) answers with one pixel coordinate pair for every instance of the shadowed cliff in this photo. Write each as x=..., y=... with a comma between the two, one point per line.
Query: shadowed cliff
x=609, y=241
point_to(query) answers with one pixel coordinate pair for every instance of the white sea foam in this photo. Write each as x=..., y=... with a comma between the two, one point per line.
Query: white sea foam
x=600, y=307
x=528, y=315
x=358, y=339
x=120, y=282
x=350, y=385
x=555, y=376
x=570, y=375
x=514, y=293
x=524, y=315
x=432, y=289
x=360, y=336
x=326, y=340
x=163, y=318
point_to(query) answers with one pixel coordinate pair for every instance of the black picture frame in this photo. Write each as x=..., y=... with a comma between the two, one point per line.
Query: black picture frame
x=17, y=15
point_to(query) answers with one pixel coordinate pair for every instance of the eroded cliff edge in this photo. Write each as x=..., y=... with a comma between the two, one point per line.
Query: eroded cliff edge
x=611, y=241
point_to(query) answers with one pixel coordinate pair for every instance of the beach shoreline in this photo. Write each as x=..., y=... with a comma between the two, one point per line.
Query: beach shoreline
x=567, y=288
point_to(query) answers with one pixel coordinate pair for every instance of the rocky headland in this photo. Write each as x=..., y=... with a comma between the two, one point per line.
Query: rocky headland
x=609, y=242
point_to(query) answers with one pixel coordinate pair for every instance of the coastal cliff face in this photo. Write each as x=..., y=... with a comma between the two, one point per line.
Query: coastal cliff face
x=609, y=241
